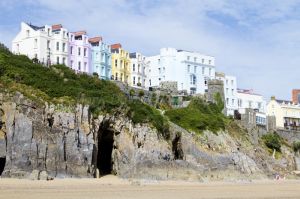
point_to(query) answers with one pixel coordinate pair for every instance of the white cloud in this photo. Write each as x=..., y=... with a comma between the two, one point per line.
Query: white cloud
x=257, y=41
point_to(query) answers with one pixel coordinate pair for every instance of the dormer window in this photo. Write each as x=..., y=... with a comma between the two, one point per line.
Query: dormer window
x=27, y=33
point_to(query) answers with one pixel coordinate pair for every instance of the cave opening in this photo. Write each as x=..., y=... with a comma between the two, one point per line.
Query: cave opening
x=2, y=164
x=177, y=147
x=105, y=148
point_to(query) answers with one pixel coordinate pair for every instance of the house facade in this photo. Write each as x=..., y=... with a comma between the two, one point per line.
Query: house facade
x=79, y=52
x=247, y=99
x=139, y=68
x=100, y=58
x=47, y=44
x=120, y=64
x=191, y=70
x=286, y=112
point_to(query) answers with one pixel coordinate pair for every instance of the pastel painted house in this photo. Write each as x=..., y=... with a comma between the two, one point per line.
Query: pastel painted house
x=100, y=58
x=79, y=52
x=120, y=64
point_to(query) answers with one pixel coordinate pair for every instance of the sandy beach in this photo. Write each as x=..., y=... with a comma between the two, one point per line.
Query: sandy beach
x=115, y=188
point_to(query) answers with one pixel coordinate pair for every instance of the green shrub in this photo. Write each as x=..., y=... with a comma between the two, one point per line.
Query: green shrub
x=296, y=146
x=272, y=141
x=143, y=113
x=199, y=116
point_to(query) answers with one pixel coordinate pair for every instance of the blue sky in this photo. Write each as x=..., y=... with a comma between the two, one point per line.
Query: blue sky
x=257, y=41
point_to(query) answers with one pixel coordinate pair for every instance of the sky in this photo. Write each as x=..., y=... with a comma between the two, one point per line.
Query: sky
x=258, y=41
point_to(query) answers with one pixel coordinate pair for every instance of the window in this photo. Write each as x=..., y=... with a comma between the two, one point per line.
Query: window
x=231, y=82
x=232, y=91
x=64, y=47
x=227, y=101
x=48, y=45
x=203, y=70
x=139, y=80
x=57, y=60
x=133, y=67
x=79, y=49
x=84, y=52
x=71, y=63
x=188, y=58
x=71, y=37
x=202, y=61
x=227, y=91
x=71, y=50
x=209, y=71
x=259, y=105
x=48, y=31
x=116, y=63
x=139, y=68
x=195, y=59
x=28, y=33
x=226, y=81
x=150, y=82
x=195, y=69
x=57, y=46
x=35, y=43
x=188, y=68
x=240, y=103
x=209, y=61
x=158, y=61
x=64, y=34
x=250, y=104
x=79, y=65
x=159, y=70
x=64, y=60
x=232, y=102
x=133, y=80
x=85, y=66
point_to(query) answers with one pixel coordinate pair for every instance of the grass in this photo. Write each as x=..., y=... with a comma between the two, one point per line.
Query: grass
x=199, y=116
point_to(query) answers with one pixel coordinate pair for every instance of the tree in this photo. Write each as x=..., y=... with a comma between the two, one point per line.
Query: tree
x=131, y=93
x=141, y=94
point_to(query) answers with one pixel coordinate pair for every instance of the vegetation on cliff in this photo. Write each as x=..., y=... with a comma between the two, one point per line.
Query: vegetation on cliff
x=200, y=116
x=272, y=141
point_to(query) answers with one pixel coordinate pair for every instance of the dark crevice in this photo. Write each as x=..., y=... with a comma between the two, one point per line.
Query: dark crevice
x=50, y=121
x=2, y=164
x=177, y=148
x=105, y=148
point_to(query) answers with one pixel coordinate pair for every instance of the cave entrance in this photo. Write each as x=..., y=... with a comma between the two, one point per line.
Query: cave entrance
x=2, y=164
x=177, y=147
x=105, y=147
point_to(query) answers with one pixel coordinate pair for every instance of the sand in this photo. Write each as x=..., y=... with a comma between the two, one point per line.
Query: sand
x=115, y=188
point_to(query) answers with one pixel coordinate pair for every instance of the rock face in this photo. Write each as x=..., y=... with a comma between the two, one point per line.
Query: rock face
x=46, y=141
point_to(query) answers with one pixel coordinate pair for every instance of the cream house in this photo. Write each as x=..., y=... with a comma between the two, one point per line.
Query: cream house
x=287, y=113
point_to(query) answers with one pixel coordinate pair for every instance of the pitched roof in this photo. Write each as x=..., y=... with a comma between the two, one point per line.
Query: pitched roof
x=79, y=33
x=57, y=27
x=95, y=39
x=116, y=46
x=35, y=27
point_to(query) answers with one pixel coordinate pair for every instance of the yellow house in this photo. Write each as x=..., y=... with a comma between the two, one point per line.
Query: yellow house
x=287, y=113
x=120, y=64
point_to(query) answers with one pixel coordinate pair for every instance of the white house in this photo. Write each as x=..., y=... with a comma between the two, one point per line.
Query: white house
x=139, y=69
x=251, y=100
x=191, y=70
x=46, y=43
x=230, y=92
x=286, y=112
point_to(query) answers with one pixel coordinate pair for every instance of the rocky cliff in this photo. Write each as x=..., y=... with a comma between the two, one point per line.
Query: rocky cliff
x=46, y=141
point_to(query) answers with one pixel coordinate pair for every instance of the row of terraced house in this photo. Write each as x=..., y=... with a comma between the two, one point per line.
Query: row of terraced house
x=54, y=44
